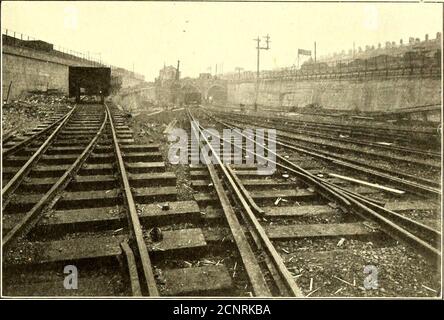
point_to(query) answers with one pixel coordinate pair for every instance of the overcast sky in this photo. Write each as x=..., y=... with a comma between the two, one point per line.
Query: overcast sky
x=201, y=34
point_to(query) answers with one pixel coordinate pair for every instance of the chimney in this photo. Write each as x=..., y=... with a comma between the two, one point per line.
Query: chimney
x=426, y=37
x=400, y=42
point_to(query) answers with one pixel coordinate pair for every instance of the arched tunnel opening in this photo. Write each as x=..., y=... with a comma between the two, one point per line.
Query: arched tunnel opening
x=217, y=95
x=191, y=95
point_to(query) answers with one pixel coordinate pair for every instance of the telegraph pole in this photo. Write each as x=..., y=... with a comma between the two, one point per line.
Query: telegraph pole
x=315, y=51
x=177, y=71
x=259, y=48
x=238, y=69
x=176, y=85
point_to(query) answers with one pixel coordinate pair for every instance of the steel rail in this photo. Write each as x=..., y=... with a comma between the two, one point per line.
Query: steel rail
x=334, y=187
x=374, y=213
x=383, y=174
x=347, y=126
x=375, y=154
x=352, y=131
x=287, y=133
x=347, y=140
x=252, y=204
x=136, y=233
x=350, y=150
x=284, y=280
x=432, y=235
x=132, y=269
x=425, y=232
x=12, y=185
x=308, y=175
x=8, y=135
x=251, y=264
x=47, y=201
x=424, y=187
x=24, y=143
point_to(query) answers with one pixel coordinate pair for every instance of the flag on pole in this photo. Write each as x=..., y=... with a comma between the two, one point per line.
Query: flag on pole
x=304, y=52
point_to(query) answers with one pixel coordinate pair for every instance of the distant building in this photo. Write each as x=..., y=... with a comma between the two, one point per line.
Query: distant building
x=168, y=73
x=205, y=76
x=167, y=85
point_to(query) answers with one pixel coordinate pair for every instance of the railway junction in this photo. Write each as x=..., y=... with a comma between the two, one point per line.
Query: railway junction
x=114, y=186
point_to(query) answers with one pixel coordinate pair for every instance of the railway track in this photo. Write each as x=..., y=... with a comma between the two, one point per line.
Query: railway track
x=85, y=194
x=344, y=139
x=71, y=205
x=386, y=168
x=263, y=266
x=304, y=208
x=366, y=134
x=96, y=201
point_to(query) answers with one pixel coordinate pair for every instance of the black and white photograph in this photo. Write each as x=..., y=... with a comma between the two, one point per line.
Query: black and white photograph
x=220, y=150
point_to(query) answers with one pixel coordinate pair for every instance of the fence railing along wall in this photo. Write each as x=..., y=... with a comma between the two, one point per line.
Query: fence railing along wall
x=411, y=64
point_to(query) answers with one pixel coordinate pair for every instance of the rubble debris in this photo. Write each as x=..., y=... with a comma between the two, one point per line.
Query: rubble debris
x=341, y=242
x=430, y=289
x=28, y=111
x=365, y=183
x=344, y=281
x=117, y=230
x=156, y=234
x=339, y=290
x=311, y=292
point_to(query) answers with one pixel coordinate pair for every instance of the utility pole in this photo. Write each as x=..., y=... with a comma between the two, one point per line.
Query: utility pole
x=176, y=97
x=238, y=69
x=315, y=51
x=259, y=48
x=178, y=71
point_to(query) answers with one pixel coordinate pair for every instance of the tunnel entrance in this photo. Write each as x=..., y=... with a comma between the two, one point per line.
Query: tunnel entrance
x=217, y=95
x=191, y=95
x=89, y=83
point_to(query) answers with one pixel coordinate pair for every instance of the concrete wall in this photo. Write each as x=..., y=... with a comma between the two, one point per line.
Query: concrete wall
x=368, y=95
x=138, y=101
x=29, y=69
x=129, y=78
